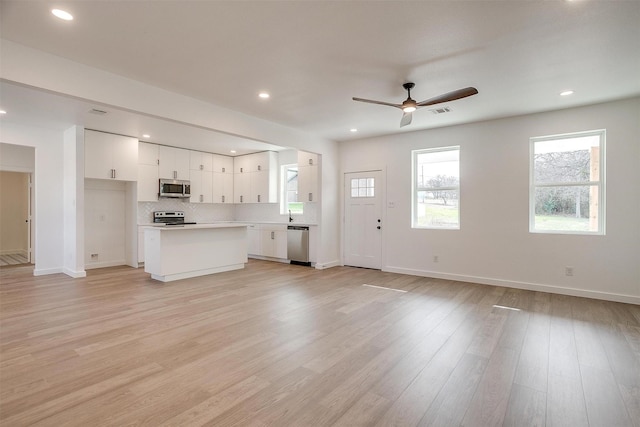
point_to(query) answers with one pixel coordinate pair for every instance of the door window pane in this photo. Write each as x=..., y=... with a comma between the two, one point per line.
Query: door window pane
x=362, y=187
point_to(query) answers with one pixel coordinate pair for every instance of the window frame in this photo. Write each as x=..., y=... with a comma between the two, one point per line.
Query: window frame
x=284, y=203
x=601, y=133
x=415, y=189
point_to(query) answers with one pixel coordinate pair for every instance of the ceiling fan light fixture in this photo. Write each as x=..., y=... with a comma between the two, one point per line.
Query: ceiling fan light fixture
x=409, y=109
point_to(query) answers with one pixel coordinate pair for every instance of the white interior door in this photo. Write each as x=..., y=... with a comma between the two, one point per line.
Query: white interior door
x=30, y=257
x=363, y=219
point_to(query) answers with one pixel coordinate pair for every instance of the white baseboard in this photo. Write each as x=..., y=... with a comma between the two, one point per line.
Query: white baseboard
x=325, y=265
x=268, y=258
x=45, y=271
x=104, y=264
x=630, y=299
x=74, y=274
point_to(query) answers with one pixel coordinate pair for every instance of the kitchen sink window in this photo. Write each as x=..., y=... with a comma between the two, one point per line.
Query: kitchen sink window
x=289, y=197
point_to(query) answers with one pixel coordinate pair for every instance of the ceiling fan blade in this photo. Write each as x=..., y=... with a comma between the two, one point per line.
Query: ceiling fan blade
x=450, y=96
x=406, y=119
x=370, y=101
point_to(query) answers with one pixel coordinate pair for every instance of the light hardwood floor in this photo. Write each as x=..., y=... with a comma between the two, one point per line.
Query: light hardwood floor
x=284, y=345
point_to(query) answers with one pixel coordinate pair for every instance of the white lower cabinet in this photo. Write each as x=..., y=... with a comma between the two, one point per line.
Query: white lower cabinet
x=140, y=244
x=267, y=240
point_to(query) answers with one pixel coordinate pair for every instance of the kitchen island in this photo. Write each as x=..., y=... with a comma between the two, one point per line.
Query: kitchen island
x=179, y=252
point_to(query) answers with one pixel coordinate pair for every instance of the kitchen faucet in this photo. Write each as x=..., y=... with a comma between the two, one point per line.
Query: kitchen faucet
x=290, y=217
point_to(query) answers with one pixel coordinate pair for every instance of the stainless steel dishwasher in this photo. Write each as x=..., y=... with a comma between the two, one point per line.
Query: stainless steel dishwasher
x=298, y=244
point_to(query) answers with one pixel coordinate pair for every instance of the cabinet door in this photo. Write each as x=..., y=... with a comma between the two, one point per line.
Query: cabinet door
x=260, y=187
x=281, y=244
x=109, y=156
x=241, y=164
x=222, y=188
x=147, y=154
x=268, y=243
x=241, y=188
x=140, y=245
x=148, y=185
x=174, y=163
x=98, y=155
x=307, y=183
x=182, y=163
x=125, y=158
x=253, y=240
x=200, y=161
x=307, y=159
x=222, y=164
x=207, y=186
x=196, y=186
x=167, y=165
x=261, y=161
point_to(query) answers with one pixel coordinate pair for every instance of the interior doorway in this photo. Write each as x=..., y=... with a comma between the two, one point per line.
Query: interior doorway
x=363, y=219
x=16, y=195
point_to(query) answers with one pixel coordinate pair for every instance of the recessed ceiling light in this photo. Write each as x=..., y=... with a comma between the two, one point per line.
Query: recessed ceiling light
x=264, y=95
x=566, y=93
x=146, y=135
x=62, y=14
x=353, y=130
x=3, y=112
x=233, y=151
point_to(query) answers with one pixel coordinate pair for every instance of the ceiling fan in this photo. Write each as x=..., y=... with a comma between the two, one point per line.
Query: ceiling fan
x=409, y=105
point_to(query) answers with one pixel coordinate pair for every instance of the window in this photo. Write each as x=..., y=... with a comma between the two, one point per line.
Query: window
x=289, y=196
x=567, y=183
x=436, y=188
x=363, y=187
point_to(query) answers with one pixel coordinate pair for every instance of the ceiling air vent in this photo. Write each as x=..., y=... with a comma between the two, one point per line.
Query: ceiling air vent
x=97, y=112
x=440, y=110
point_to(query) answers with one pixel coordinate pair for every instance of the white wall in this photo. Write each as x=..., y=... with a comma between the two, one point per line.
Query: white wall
x=494, y=245
x=73, y=202
x=105, y=223
x=17, y=158
x=48, y=182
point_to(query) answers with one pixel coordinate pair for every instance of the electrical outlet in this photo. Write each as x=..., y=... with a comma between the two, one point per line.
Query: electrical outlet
x=568, y=271
x=436, y=258
x=94, y=256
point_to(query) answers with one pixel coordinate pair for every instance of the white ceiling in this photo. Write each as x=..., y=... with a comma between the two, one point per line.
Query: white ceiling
x=313, y=56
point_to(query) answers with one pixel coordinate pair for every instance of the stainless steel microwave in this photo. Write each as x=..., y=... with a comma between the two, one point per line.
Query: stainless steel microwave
x=175, y=188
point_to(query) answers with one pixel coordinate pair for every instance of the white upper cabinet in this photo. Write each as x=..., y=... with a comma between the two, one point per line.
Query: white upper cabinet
x=256, y=178
x=222, y=164
x=307, y=159
x=200, y=161
x=174, y=163
x=223, y=187
x=222, y=179
x=201, y=177
x=308, y=177
x=241, y=164
x=147, y=153
x=109, y=156
x=147, y=172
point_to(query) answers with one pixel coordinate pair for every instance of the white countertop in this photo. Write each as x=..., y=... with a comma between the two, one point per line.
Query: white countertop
x=245, y=223
x=195, y=226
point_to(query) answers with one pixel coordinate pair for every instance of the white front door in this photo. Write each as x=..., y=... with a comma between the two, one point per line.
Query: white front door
x=363, y=219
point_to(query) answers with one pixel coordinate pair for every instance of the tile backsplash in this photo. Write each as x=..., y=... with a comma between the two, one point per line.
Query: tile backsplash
x=202, y=213
x=193, y=212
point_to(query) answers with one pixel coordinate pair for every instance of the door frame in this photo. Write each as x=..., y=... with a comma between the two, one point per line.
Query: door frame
x=383, y=213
